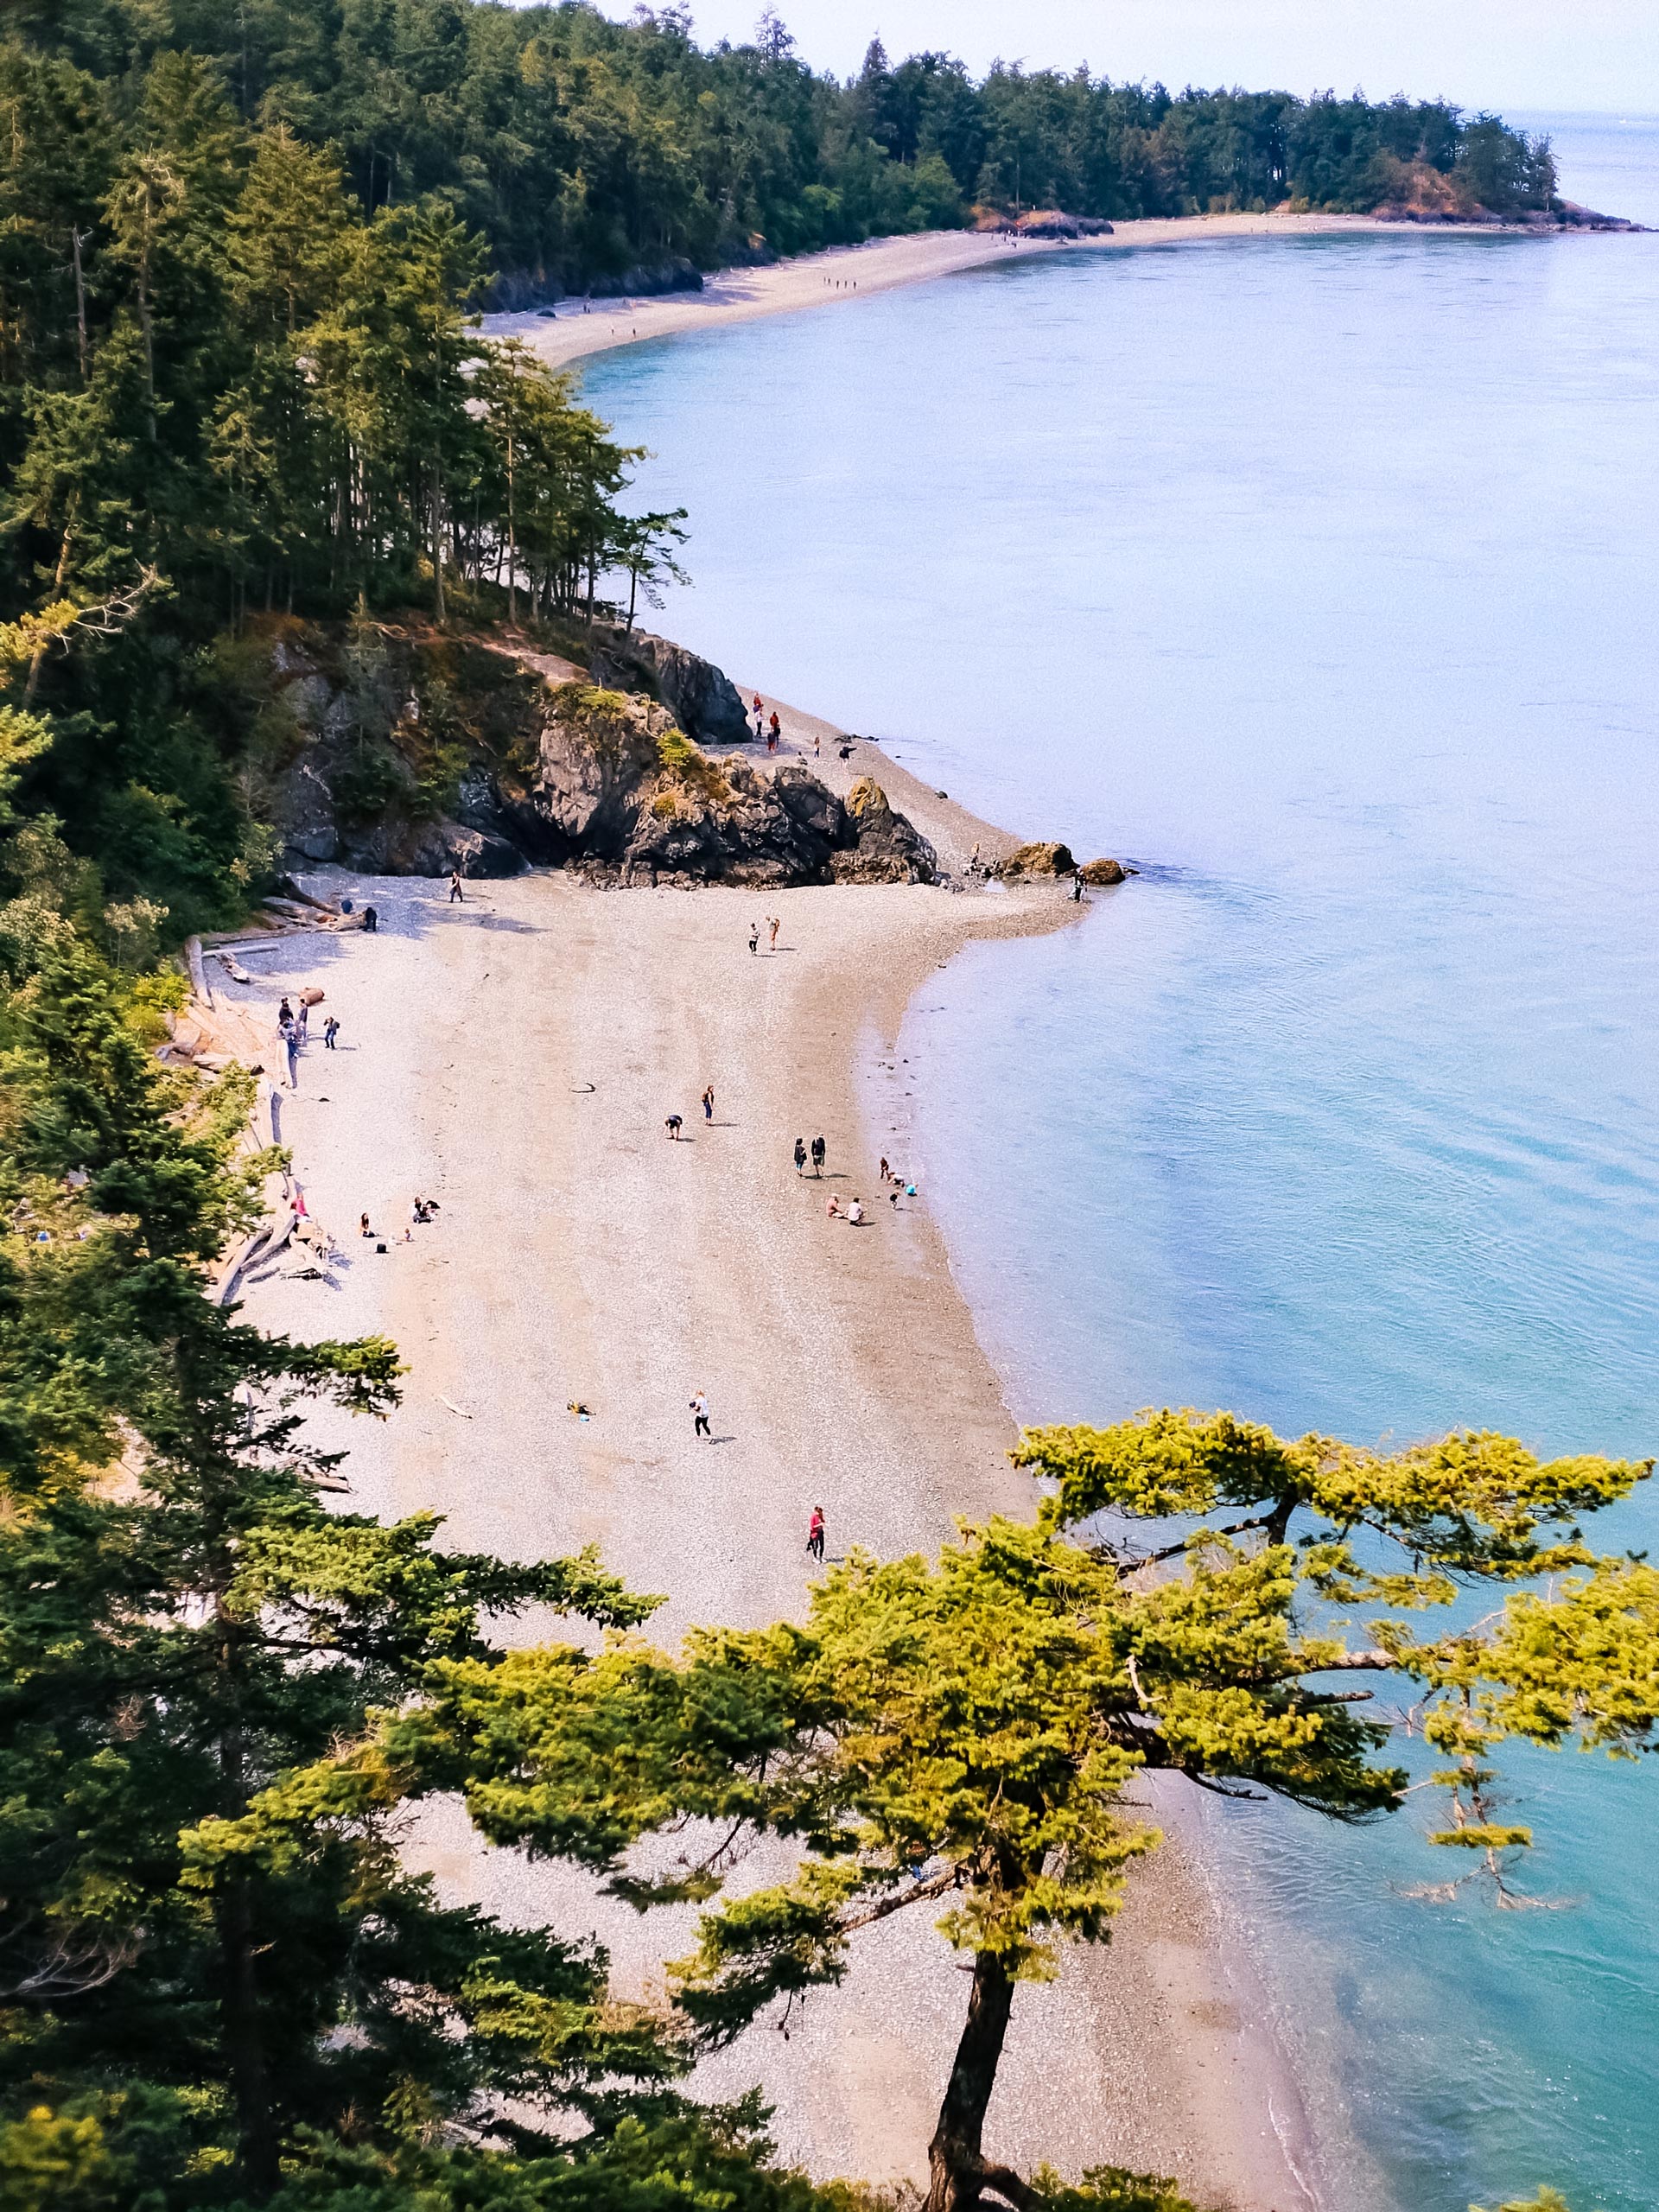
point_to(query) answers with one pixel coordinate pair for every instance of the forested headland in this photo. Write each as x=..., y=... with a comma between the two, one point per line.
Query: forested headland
x=241, y=251
x=578, y=148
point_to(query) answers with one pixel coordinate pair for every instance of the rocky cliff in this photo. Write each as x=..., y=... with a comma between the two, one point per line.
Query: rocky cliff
x=411, y=752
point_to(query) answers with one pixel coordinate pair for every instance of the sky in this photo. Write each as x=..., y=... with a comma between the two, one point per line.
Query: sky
x=1596, y=55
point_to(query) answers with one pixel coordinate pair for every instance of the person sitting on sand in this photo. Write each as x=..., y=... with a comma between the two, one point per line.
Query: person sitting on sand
x=363, y=1226
x=833, y=1210
x=856, y=1212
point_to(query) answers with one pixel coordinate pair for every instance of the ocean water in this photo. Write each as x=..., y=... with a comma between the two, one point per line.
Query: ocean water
x=1317, y=578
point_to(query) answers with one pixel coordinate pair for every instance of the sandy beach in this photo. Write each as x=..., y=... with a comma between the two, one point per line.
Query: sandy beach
x=515, y=1057
x=845, y=275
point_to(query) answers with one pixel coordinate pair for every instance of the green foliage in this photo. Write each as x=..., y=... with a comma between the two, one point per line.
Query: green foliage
x=1109, y=2189
x=209, y=1941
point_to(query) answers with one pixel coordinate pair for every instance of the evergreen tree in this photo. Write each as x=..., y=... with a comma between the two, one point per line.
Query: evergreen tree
x=962, y=1733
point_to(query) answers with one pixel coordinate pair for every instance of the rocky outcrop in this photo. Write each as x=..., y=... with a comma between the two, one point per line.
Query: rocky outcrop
x=365, y=776
x=1051, y=223
x=1100, y=873
x=701, y=698
x=634, y=801
x=1040, y=861
x=409, y=753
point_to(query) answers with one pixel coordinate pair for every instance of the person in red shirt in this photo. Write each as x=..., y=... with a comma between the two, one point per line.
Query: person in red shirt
x=815, y=1534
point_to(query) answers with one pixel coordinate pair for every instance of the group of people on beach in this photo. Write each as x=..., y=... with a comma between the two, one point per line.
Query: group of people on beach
x=772, y=731
x=774, y=922
x=420, y=1212
x=293, y=1031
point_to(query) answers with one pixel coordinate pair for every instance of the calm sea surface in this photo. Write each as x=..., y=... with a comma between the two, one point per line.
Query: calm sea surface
x=1318, y=578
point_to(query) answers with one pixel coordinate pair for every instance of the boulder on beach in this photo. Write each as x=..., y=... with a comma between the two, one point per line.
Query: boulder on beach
x=1098, y=873
x=888, y=846
x=1039, y=860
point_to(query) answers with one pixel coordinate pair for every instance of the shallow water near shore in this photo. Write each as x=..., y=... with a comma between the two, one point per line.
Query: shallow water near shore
x=1317, y=577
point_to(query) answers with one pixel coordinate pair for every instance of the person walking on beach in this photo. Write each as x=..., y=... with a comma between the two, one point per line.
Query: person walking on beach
x=774, y=731
x=800, y=1157
x=303, y=1024
x=330, y=1030
x=815, y=1535
x=773, y=925
x=455, y=891
x=700, y=1417
x=709, y=1105
x=754, y=936
x=673, y=1126
x=284, y=1015
x=291, y=1039
x=818, y=1150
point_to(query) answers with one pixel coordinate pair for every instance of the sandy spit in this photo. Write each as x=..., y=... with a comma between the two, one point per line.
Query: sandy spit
x=515, y=1057
x=845, y=275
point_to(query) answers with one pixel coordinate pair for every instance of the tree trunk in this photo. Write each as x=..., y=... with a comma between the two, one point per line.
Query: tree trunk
x=437, y=545
x=58, y=583
x=245, y=2043
x=80, y=300
x=956, y=2168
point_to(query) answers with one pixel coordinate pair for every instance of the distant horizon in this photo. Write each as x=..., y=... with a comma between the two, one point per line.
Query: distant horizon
x=1504, y=55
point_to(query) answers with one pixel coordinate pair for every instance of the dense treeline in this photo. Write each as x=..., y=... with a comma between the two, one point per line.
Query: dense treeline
x=579, y=147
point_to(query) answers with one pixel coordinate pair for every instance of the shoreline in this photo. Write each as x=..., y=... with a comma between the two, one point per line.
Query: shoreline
x=579, y=1255
x=886, y=264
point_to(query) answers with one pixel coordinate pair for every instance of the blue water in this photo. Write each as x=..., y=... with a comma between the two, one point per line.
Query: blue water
x=1318, y=578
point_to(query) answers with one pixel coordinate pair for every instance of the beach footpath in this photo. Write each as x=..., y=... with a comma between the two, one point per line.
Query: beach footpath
x=516, y=1056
